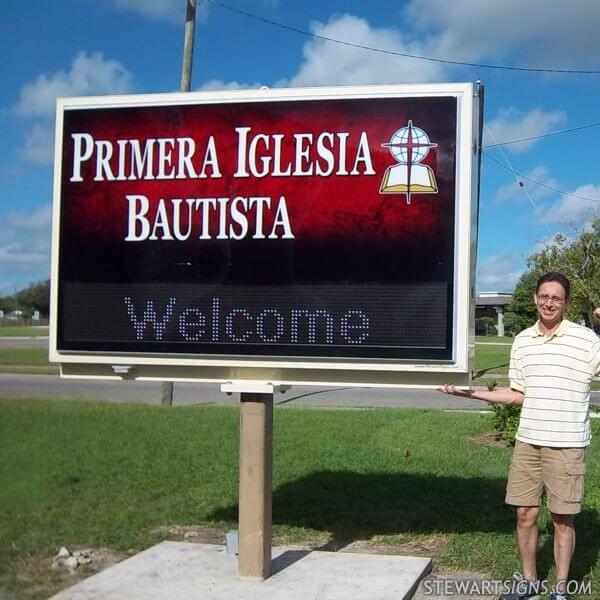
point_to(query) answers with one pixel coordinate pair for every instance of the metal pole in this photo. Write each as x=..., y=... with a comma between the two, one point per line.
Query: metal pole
x=186, y=78
x=188, y=45
x=481, y=97
x=167, y=393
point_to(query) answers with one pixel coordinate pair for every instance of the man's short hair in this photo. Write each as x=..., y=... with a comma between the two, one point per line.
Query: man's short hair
x=554, y=276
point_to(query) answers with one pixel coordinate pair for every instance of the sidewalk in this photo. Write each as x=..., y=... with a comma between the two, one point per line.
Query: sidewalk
x=186, y=570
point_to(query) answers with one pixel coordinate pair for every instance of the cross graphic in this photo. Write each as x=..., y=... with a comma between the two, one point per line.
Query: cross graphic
x=409, y=144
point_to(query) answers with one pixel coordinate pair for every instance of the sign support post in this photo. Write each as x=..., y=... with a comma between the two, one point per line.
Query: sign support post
x=256, y=477
x=255, y=499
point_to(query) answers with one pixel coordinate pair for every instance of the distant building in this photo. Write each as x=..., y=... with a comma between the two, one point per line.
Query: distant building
x=15, y=315
x=492, y=304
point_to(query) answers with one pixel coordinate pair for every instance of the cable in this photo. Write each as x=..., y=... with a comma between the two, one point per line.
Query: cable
x=545, y=135
x=535, y=182
x=403, y=54
x=527, y=139
x=509, y=166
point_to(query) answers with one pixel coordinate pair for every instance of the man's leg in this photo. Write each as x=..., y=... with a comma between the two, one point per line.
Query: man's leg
x=564, y=546
x=527, y=536
x=524, y=490
x=564, y=470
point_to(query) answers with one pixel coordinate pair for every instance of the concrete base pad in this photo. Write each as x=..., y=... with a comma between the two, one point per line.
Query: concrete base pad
x=184, y=571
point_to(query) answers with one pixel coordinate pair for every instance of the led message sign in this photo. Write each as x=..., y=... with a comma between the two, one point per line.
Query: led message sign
x=314, y=227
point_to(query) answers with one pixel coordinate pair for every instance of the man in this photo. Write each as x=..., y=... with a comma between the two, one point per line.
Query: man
x=552, y=365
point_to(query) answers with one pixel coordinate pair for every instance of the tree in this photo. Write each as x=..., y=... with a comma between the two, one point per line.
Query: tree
x=7, y=304
x=514, y=323
x=521, y=305
x=36, y=296
x=486, y=323
x=578, y=258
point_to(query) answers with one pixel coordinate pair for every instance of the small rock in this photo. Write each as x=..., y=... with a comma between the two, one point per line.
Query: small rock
x=63, y=553
x=84, y=557
x=70, y=562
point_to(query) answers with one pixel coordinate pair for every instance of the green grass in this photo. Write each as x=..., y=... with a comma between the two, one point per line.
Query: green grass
x=491, y=359
x=23, y=331
x=494, y=339
x=103, y=475
x=24, y=356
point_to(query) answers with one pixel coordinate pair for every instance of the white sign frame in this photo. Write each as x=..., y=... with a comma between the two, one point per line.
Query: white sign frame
x=285, y=370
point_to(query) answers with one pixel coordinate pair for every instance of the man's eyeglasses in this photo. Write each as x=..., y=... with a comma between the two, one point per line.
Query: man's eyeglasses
x=554, y=299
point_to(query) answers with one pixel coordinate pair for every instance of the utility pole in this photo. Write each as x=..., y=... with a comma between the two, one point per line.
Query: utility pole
x=186, y=79
x=188, y=45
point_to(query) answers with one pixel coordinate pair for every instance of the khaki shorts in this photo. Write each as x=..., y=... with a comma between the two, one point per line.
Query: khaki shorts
x=558, y=471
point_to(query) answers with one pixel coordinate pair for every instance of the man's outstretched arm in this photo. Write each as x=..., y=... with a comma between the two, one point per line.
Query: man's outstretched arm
x=505, y=396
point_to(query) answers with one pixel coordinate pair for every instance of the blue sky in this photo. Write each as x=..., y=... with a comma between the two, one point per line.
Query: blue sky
x=59, y=48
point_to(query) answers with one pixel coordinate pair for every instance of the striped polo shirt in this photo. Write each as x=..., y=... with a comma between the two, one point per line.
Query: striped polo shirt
x=555, y=375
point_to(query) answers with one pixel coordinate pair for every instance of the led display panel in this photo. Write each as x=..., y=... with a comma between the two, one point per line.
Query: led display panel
x=320, y=226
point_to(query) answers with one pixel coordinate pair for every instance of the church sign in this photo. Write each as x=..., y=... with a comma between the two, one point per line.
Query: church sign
x=285, y=236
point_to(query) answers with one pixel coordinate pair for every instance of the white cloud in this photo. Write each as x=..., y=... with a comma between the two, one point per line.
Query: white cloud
x=500, y=272
x=557, y=34
x=514, y=192
x=219, y=84
x=25, y=245
x=39, y=144
x=544, y=243
x=575, y=212
x=172, y=11
x=17, y=254
x=39, y=219
x=329, y=63
x=89, y=74
x=522, y=33
x=162, y=10
x=513, y=124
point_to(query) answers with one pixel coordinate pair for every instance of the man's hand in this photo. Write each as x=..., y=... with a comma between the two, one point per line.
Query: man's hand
x=450, y=388
x=597, y=313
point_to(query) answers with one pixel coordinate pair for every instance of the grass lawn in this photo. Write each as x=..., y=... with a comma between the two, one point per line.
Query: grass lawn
x=494, y=339
x=23, y=331
x=113, y=476
x=24, y=356
x=492, y=359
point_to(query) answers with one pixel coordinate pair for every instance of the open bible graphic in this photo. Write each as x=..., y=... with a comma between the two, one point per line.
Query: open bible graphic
x=409, y=146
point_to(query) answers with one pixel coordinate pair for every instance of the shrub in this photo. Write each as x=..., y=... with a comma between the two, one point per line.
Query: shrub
x=505, y=421
x=514, y=323
x=486, y=324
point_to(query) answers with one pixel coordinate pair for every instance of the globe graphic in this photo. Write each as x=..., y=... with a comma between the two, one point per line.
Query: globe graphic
x=400, y=153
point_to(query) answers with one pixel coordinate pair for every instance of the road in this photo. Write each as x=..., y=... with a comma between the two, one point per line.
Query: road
x=52, y=386
x=23, y=342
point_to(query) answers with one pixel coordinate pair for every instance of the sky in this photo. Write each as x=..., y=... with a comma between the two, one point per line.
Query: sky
x=62, y=48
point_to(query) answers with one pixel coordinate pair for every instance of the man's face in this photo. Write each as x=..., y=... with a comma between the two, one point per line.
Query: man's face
x=550, y=301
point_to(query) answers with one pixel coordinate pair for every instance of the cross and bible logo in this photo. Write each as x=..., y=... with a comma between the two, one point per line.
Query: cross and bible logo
x=409, y=145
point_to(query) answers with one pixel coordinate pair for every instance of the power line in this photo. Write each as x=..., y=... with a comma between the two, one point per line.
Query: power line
x=535, y=182
x=517, y=177
x=395, y=53
x=545, y=135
